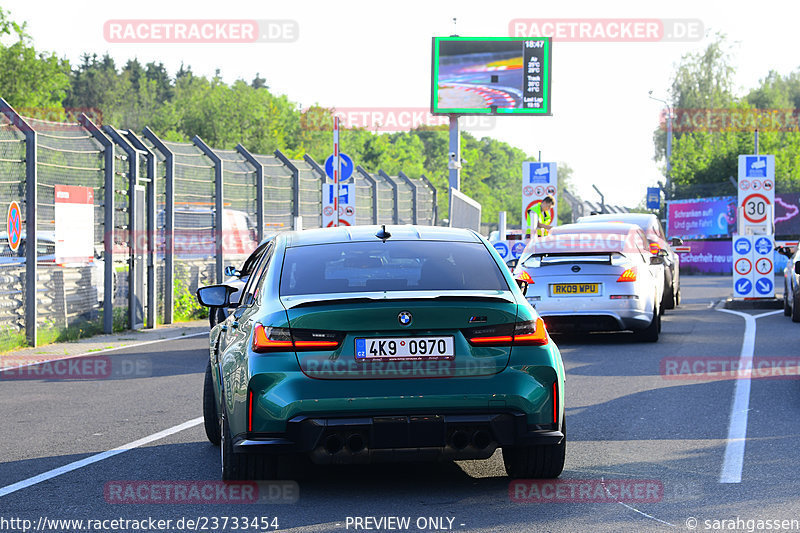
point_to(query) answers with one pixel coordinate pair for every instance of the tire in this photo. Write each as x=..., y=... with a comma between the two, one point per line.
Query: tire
x=541, y=461
x=795, y=307
x=787, y=311
x=650, y=333
x=210, y=417
x=243, y=466
x=668, y=300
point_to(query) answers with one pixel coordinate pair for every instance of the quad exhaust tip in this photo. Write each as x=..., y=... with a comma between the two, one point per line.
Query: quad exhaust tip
x=333, y=444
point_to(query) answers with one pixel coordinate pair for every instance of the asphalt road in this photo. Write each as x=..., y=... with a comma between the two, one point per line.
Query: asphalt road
x=630, y=421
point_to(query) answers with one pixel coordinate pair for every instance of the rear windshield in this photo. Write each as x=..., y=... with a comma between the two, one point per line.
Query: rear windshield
x=389, y=266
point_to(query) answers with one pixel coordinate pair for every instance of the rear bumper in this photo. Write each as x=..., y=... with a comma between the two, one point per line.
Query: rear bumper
x=560, y=322
x=393, y=437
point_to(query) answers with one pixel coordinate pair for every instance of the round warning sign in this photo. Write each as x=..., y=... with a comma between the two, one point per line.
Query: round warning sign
x=14, y=226
x=768, y=185
x=341, y=223
x=755, y=208
x=764, y=266
x=744, y=184
x=756, y=185
x=539, y=191
x=551, y=190
x=527, y=190
x=328, y=210
x=743, y=266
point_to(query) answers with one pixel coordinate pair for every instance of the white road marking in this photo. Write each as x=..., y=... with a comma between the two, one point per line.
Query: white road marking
x=96, y=352
x=737, y=429
x=25, y=483
x=634, y=509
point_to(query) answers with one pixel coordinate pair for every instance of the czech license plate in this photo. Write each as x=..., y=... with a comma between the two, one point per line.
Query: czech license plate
x=574, y=289
x=404, y=348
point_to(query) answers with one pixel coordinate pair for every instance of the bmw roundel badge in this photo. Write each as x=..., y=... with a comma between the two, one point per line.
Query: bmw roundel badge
x=404, y=318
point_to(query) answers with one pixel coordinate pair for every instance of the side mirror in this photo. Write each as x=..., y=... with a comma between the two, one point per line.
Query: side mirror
x=215, y=295
x=523, y=285
x=231, y=271
x=676, y=241
x=512, y=263
x=784, y=250
x=662, y=252
x=797, y=267
x=657, y=259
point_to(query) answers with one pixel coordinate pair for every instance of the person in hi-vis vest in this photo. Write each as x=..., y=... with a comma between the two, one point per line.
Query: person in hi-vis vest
x=542, y=218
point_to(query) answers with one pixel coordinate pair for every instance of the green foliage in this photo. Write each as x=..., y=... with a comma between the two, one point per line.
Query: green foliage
x=29, y=79
x=186, y=305
x=705, y=158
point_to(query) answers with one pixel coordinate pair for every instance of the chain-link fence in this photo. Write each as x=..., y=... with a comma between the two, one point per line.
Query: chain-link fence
x=126, y=227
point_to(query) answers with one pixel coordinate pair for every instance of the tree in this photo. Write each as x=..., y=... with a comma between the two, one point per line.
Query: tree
x=34, y=82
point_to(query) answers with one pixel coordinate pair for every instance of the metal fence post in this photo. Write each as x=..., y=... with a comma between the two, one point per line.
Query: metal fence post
x=435, y=206
x=259, y=186
x=374, y=183
x=295, y=184
x=169, y=225
x=313, y=164
x=152, y=165
x=108, y=220
x=413, y=186
x=31, y=199
x=395, y=197
x=218, y=204
x=133, y=179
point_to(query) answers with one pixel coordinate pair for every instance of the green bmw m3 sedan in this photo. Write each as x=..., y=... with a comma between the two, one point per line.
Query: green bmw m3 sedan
x=369, y=343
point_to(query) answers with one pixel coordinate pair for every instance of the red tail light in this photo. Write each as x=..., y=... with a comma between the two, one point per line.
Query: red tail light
x=267, y=339
x=524, y=276
x=628, y=275
x=531, y=333
x=654, y=248
x=249, y=410
x=555, y=402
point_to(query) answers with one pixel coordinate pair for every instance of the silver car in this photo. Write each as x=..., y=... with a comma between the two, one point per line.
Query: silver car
x=595, y=277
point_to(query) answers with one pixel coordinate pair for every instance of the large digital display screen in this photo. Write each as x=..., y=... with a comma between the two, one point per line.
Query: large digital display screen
x=491, y=75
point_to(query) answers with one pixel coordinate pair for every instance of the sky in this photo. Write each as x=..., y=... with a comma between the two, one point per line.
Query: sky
x=377, y=54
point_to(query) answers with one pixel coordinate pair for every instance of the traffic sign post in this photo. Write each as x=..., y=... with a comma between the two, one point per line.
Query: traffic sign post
x=346, y=205
x=753, y=268
x=743, y=266
x=14, y=226
x=337, y=167
x=653, y=198
x=538, y=180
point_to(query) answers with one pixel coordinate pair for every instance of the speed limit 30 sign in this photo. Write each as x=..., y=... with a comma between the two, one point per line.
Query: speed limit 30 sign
x=756, y=190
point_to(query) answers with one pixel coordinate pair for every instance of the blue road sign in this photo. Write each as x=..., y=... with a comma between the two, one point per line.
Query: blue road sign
x=502, y=249
x=756, y=166
x=742, y=246
x=764, y=286
x=539, y=173
x=743, y=286
x=763, y=245
x=347, y=167
x=653, y=198
x=517, y=249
